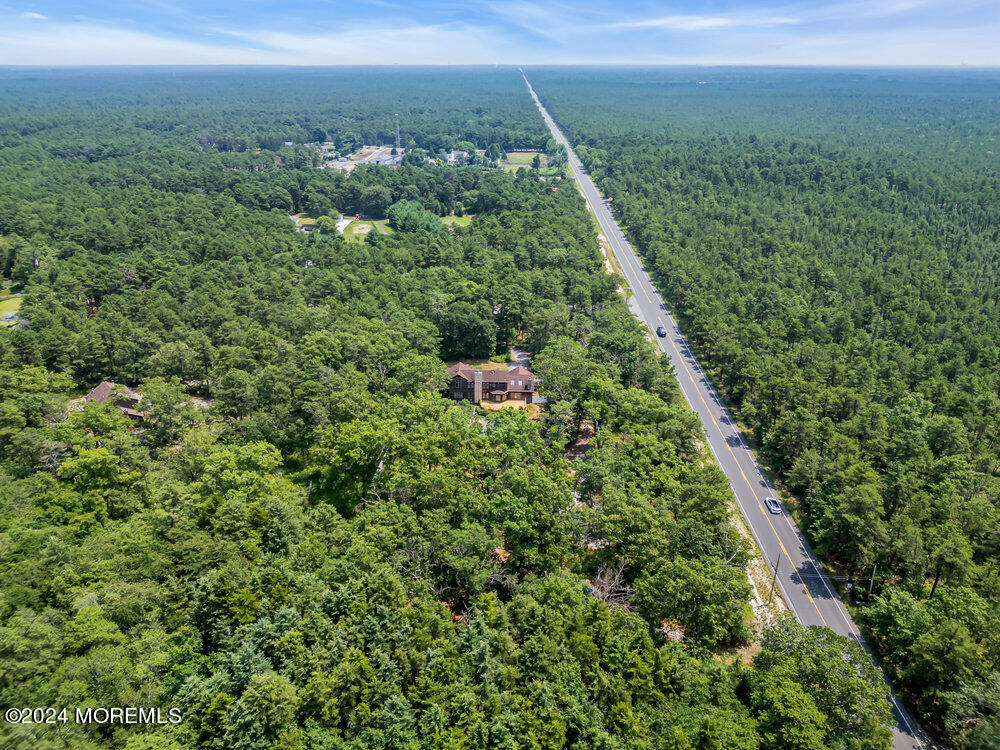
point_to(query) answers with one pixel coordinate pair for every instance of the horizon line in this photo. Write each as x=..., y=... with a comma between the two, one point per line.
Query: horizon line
x=286, y=66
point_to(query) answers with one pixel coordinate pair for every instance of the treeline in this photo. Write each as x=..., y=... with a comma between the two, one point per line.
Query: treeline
x=884, y=109
x=96, y=114
x=845, y=297
x=303, y=545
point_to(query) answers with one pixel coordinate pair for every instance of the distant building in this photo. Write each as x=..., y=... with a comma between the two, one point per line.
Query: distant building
x=454, y=157
x=388, y=160
x=124, y=398
x=470, y=384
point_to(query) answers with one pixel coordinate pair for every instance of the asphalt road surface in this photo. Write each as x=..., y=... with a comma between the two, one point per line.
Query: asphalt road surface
x=804, y=586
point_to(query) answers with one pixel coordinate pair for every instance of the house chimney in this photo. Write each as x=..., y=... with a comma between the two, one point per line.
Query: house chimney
x=477, y=386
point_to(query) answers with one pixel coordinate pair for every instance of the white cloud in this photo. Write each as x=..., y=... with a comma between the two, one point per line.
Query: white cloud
x=557, y=22
x=780, y=35
x=411, y=45
x=30, y=14
x=854, y=9
x=705, y=23
x=800, y=12
x=87, y=44
x=92, y=44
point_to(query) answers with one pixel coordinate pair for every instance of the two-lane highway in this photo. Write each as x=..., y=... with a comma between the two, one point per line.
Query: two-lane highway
x=803, y=584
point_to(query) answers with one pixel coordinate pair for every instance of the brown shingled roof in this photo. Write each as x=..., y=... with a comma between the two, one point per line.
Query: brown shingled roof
x=103, y=391
x=509, y=378
x=460, y=369
x=100, y=392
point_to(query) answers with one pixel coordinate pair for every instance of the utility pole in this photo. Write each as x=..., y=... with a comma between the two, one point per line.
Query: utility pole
x=774, y=578
x=397, y=132
x=871, y=583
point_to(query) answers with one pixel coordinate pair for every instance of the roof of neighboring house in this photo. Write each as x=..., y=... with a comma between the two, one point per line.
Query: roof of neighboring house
x=102, y=392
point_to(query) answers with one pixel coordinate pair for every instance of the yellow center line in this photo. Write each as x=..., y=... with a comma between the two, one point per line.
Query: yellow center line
x=767, y=516
x=621, y=252
x=616, y=246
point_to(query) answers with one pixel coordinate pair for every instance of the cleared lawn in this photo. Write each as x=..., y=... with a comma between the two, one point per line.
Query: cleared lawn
x=9, y=305
x=484, y=363
x=452, y=220
x=358, y=228
x=521, y=159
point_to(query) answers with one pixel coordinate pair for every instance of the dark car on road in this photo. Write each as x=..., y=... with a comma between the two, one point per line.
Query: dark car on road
x=772, y=505
x=661, y=332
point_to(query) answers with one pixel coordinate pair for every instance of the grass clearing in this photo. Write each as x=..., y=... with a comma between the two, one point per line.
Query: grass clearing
x=484, y=363
x=461, y=221
x=523, y=157
x=359, y=228
x=521, y=160
x=9, y=305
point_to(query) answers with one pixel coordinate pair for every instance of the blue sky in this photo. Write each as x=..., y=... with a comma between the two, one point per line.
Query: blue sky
x=296, y=32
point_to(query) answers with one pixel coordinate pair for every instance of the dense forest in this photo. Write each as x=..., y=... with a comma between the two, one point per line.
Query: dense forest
x=303, y=545
x=831, y=242
x=94, y=114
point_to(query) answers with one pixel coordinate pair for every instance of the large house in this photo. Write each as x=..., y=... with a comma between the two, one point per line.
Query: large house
x=490, y=385
x=124, y=398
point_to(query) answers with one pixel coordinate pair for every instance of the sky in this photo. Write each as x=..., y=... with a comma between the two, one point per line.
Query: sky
x=521, y=32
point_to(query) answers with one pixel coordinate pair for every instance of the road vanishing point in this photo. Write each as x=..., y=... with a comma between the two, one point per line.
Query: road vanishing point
x=803, y=583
